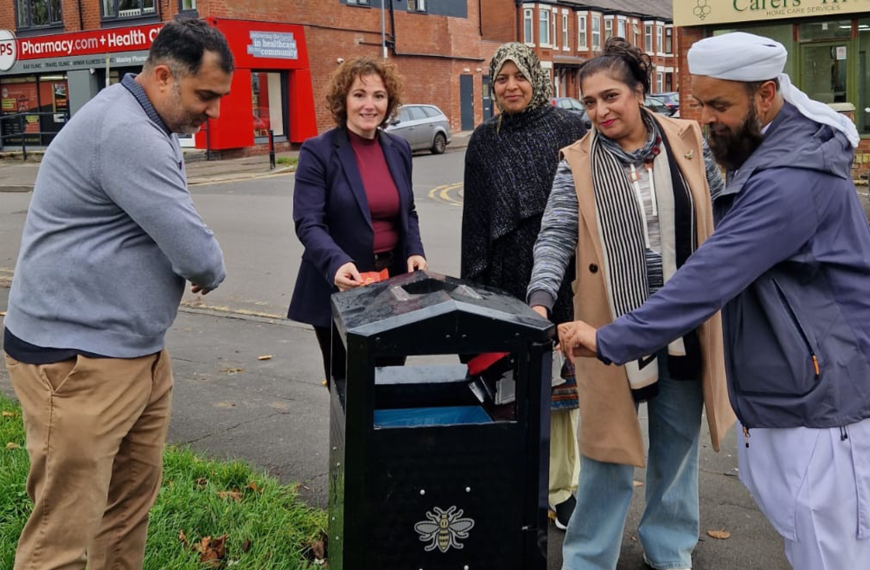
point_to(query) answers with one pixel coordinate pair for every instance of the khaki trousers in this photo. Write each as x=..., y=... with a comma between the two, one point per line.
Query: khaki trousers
x=564, y=457
x=95, y=432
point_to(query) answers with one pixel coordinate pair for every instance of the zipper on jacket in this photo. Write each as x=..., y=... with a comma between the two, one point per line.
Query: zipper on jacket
x=746, y=435
x=800, y=329
x=844, y=433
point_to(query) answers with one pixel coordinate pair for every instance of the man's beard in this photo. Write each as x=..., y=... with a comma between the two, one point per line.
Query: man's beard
x=182, y=122
x=732, y=148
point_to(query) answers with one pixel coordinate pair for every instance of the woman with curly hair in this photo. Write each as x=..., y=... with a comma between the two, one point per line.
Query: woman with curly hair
x=631, y=202
x=353, y=204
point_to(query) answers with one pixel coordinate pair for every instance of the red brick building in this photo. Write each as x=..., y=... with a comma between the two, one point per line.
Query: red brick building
x=565, y=33
x=64, y=52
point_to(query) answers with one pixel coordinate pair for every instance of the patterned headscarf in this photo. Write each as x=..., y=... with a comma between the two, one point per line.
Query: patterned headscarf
x=527, y=62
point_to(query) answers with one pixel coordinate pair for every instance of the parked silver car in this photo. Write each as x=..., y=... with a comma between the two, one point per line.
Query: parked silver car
x=425, y=127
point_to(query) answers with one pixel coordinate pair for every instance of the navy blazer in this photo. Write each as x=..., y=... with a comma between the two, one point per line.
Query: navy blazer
x=333, y=220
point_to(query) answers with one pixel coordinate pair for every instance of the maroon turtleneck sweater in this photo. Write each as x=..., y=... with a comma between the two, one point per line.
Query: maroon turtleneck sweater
x=381, y=192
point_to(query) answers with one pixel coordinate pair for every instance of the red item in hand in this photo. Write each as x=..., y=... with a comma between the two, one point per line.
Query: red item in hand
x=374, y=276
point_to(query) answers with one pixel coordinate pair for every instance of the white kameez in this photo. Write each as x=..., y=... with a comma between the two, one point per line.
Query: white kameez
x=813, y=485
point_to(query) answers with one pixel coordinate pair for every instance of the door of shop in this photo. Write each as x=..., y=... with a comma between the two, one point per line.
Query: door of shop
x=824, y=71
x=466, y=102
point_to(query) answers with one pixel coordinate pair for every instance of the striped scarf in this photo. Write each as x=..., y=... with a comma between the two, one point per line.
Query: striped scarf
x=626, y=258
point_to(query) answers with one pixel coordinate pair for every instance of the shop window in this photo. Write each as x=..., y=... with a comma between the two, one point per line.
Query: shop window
x=33, y=107
x=187, y=5
x=527, y=26
x=38, y=13
x=826, y=30
x=120, y=9
x=862, y=113
x=267, y=89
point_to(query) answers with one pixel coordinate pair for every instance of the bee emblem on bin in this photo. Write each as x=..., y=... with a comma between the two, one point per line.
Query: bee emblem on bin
x=443, y=528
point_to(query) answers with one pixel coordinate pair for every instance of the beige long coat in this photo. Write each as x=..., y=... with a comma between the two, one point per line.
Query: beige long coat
x=610, y=430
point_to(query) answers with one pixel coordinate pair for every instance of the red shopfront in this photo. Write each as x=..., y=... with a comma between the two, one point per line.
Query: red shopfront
x=271, y=88
x=53, y=76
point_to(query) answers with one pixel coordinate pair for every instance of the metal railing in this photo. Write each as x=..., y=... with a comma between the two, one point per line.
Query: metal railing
x=14, y=128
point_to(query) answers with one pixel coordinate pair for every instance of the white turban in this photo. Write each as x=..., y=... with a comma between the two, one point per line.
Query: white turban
x=739, y=56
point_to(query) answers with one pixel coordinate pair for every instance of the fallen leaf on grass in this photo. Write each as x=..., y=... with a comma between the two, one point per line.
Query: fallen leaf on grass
x=201, y=482
x=10, y=446
x=318, y=549
x=234, y=495
x=9, y=414
x=246, y=546
x=212, y=550
x=253, y=487
x=183, y=538
x=265, y=357
x=720, y=534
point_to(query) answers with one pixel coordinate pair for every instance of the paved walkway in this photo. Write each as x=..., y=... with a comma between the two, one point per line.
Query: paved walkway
x=19, y=176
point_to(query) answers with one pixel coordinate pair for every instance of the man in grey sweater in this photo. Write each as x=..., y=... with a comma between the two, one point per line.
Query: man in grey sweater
x=111, y=237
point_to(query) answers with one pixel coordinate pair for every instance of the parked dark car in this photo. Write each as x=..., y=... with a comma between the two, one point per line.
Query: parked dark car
x=425, y=127
x=573, y=105
x=671, y=101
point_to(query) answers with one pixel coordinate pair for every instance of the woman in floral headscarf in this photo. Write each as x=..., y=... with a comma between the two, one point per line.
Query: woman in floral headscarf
x=509, y=168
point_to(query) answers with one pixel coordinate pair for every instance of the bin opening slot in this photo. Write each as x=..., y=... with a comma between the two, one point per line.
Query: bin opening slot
x=428, y=417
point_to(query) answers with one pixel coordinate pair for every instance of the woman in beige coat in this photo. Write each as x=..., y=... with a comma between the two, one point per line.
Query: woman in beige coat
x=632, y=200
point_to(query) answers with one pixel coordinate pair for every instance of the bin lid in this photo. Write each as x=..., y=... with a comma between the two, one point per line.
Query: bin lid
x=428, y=302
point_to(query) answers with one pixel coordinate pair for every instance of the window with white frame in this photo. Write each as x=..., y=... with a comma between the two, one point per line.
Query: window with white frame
x=128, y=8
x=596, y=32
x=564, y=30
x=660, y=80
x=620, y=28
x=358, y=2
x=581, y=30
x=660, y=39
x=608, y=28
x=636, y=33
x=187, y=5
x=669, y=40
x=528, y=16
x=555, y=35
x=648, y=45
x=544, y=27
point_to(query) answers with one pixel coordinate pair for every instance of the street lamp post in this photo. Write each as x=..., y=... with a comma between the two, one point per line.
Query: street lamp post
x=384, y=28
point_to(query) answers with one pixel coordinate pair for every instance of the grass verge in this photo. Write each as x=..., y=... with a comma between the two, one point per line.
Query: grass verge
x=287, y=160
x=266, y=526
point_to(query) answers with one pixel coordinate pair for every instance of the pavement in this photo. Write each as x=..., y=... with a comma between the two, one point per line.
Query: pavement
x=17, y=175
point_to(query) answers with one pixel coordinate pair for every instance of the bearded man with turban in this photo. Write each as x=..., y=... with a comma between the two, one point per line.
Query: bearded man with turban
x=789, y=267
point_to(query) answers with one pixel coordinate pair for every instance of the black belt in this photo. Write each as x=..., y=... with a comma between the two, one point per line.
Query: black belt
x=384, y=259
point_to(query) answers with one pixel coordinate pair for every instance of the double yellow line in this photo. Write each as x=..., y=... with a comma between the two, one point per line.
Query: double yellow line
x=443, y=194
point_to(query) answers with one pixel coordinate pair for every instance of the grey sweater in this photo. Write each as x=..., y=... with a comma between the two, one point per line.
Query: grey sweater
x=111, y=235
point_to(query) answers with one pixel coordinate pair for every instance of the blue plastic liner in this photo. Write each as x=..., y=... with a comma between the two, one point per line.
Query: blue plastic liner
x=411, y=417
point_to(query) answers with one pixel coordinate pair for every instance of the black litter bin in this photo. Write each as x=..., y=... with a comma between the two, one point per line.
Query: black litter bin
x=426, y=472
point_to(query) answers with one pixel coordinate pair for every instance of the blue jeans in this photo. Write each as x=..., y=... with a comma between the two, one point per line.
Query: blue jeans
x=669, y=528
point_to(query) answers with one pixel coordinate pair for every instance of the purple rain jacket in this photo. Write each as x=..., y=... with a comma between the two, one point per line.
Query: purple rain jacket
x=789, y=266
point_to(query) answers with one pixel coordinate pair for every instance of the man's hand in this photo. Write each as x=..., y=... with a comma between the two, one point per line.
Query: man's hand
x=577, y=339
x=417, y=263
x=347, y=277
x=194, y=288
